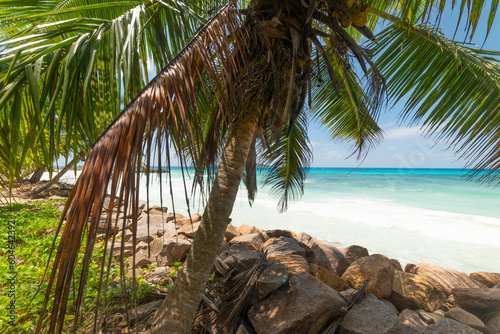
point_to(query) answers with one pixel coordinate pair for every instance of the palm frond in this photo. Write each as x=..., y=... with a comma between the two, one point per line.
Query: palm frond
x=164, y=105
x=82, y=61
x=348, y=116
x=453, y=88
x=289, y=163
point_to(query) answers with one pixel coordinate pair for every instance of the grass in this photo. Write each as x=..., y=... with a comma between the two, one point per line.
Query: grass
x=29, y=259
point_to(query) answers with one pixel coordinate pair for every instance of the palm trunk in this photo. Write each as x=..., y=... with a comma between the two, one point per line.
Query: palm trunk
x=37, y=175
x=177, y=313
x=56, y=178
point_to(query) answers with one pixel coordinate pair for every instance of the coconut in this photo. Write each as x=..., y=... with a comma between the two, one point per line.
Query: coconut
x=347, y=3
x=358, y=14
x=345, y=21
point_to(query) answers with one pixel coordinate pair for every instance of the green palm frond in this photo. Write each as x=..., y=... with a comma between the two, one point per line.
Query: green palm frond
x=350, y=115
x=289, y=162
x=453, y=88
x=81, y=62
x=420, y=11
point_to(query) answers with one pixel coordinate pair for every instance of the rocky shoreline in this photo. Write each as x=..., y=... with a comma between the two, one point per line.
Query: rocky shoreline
x=299, y=284
x=306, y=283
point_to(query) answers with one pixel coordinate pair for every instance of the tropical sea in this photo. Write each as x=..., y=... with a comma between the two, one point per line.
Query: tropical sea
x=413, y=215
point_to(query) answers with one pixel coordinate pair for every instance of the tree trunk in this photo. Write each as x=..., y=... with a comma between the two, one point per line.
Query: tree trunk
x=56, y=178
x=177, y=313
x=37, y=175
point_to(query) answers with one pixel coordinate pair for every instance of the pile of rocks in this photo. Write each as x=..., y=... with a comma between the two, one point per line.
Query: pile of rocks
x=422, y=298
x=310, y=280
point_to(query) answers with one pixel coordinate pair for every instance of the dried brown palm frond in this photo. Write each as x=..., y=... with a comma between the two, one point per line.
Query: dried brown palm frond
x=235, y=295
x=170, y=106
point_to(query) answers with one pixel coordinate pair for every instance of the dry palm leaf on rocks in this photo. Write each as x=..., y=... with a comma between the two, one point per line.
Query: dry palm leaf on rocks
x=227, y=299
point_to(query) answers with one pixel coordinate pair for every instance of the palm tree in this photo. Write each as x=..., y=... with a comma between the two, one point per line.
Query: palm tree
x=67, y=68
x=237, y=93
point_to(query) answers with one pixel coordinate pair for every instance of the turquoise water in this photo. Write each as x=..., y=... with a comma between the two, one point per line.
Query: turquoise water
x=422, y=215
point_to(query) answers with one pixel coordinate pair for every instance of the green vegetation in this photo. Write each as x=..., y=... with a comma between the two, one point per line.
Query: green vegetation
x=35, y=226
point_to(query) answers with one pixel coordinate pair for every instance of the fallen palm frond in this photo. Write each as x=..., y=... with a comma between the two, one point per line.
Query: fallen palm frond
x=168, y=108
x=234, y=294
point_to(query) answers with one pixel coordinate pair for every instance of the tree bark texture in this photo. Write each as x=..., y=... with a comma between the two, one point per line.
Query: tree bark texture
x=177, y=313
x=37, y=175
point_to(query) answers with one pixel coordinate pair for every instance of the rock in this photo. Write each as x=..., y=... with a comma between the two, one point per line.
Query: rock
x=189, y=230
x=253, y=241
x=247, y=229
x=155, y=210
x=448, y=326
x=154, y=220
x=158, y=226
x=390, y=305
x=231, y=232
x=295, y=264
x=186, y=220
x=407, y=329
x=156, y=246
x=411, y=291
x=107, y=202
x=326, y=256
x=144, y=235
x=493, y=322
x=172, y=217
x=60, y=208
x=173, y=250
x=305, y=306
x=488, y=279
x=354, y=252
x=141, y=246
x=279, y=233
x=396, y=264
x=239, y=257
x=369, y=316
x=477, y=301
x=466, y=318
x=411, y=318
x=448, y=304
x=410, y=268
x=376, y=267
x=328, y=277
x=446, y=279
x=283, y=246
x=127, y=235
x=430, y=317
x=142, y=259
x=271, y=278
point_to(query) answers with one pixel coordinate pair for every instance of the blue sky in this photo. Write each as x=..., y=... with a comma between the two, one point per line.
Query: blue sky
x=403, y=145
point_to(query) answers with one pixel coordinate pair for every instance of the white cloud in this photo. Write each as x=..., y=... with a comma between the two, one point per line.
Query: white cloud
x=332, y=154
x=402, y=133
